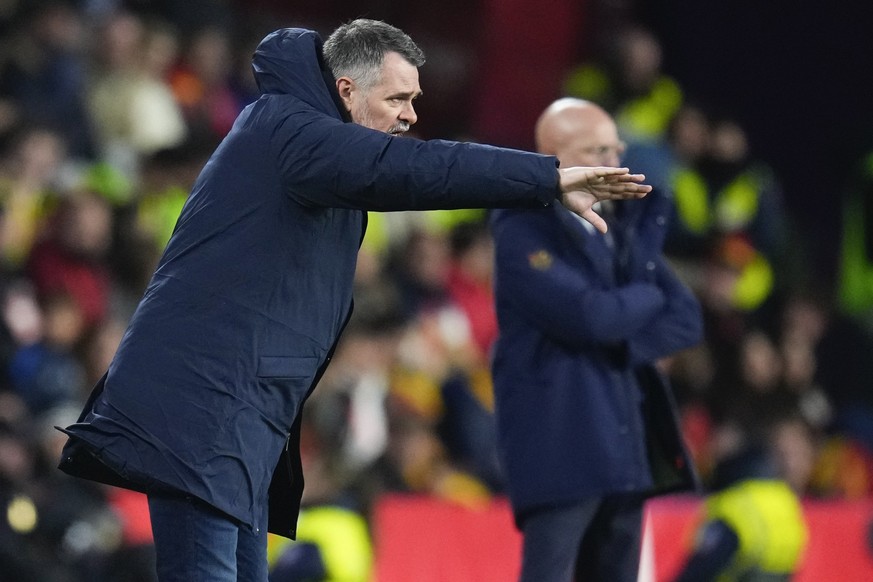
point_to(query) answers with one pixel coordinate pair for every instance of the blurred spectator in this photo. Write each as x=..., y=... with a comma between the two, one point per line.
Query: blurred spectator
x=470, y=281
x=167, y=177
x=99, y=347
x=467, y=425
x=843, y=370
x=43, y=78
x=729, y=208
x=426, y=357
x=351, y=399
x=843, y=469
x=795, y=445
x=689, y=135
x=416, y=461
x=71, y=259
x=54, y=529
x=129, y=99
x=730, y=240
x=22, y=558
x=435, y=355
x=754, y=527
x=856, y=254
x=20, y=324
x=410, y=376
x=833, y=352
x=333, y=538
x=47, y=374
x=748, y=387
x=201, y=83
x=420, y=269
x=30, y=167
x=627, y=79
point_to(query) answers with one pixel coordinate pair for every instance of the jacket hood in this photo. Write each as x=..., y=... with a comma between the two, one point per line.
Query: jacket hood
x=289, y=61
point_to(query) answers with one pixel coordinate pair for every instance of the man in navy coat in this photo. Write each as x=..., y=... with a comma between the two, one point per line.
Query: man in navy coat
x=200, y=407
x=586, y=424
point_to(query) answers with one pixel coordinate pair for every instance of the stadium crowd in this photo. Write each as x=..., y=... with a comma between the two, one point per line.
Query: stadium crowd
x=108, y=110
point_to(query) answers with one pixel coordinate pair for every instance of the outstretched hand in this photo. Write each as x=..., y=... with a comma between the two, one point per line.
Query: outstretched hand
x=582, y=187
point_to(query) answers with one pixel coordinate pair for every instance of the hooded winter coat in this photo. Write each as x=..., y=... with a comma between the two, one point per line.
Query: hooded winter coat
x=255, y=286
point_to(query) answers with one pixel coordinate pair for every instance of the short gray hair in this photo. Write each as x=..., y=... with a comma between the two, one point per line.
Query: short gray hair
x=356, y=49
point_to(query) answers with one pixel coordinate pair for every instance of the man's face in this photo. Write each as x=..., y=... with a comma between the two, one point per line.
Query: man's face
x=387, y=105
x=599, y=145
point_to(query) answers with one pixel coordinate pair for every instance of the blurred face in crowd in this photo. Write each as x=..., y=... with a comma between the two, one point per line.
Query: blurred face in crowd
x=640, y=54
x=579, y=133
x=728, y=142
x=210, y=56
x=689, y=134
x=39, y=156
x=386, y=103
x=64, y=321
x=85, y=226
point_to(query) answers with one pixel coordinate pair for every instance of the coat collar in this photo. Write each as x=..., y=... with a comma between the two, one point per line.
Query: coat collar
x=591, y=243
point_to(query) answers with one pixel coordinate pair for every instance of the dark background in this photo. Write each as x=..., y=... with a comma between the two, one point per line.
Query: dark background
x=800, y=82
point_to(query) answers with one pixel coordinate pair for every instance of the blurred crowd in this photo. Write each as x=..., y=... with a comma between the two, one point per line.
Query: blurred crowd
x=107, y=113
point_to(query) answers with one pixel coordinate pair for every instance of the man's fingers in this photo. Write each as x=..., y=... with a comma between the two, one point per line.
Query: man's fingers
x=621, y=191
x=622, y=178
x=604, y=183
x=603, y=171
x=580, y=203
x=595, y=219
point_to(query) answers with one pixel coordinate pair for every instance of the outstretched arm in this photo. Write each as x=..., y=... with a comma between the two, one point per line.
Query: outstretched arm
x=581, y=187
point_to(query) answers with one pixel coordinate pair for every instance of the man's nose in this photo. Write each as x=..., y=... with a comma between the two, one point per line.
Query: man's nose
x=612, y=159
x=408, y=114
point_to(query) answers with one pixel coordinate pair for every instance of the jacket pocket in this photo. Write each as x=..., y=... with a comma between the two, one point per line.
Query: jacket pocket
x=286, y=366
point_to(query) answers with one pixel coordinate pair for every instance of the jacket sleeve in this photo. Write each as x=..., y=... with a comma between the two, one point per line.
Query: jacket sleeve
x=325, y=162
x=564, y=302
x=678, y=325
x=716, y=547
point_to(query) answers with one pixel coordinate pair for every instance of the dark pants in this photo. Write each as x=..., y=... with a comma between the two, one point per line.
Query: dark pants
x=195, y=542
x=595, y=540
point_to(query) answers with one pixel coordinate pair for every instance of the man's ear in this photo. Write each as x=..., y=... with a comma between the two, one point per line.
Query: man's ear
x=345, y=87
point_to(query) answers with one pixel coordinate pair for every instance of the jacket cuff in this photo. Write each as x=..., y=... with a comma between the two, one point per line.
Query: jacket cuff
x=552, y=192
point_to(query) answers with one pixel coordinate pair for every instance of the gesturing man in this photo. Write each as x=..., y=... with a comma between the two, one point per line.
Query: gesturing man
x=200, y=408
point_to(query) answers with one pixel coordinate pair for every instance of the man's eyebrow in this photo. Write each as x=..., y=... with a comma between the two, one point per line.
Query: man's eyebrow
x=406, y=94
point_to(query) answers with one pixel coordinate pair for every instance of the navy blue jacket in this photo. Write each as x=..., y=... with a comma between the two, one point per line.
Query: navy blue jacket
x=255, y=286
x=581, y=409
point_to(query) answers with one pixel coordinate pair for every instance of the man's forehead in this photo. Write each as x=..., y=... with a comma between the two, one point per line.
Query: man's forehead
x=399, y=74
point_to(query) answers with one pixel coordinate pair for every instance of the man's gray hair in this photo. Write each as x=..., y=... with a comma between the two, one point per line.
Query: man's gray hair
x=356, y=50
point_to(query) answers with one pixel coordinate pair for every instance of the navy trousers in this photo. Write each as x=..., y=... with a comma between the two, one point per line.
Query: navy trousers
x=195, y=542
x=597, y=540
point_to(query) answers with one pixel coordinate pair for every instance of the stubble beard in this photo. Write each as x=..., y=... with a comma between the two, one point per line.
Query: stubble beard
x=366, y=118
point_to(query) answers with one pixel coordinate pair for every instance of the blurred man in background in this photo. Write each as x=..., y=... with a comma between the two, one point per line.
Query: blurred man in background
x=586, y=422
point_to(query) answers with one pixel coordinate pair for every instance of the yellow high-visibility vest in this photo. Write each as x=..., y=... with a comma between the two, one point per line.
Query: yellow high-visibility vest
x=856, y=259
x=342, y=538
x=768, y=519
